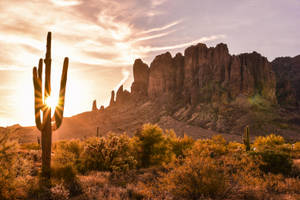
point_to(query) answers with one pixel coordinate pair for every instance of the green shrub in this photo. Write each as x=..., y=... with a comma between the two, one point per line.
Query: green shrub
x=113, y=153
x=196, y=178
x=214, y=147
x=180, y=145
x=66, y=175
x=15, y=170
x=67, y=152
x=296, y=150
x=152, y=146
x=271, y=142
x=30, y=146
x=276, y=162
x=275, y=153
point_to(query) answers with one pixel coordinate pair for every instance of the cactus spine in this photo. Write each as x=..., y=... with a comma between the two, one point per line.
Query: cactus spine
x=48, y=123
x=246, y=138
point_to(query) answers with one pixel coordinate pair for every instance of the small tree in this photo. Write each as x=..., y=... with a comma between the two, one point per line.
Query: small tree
x=152, y=146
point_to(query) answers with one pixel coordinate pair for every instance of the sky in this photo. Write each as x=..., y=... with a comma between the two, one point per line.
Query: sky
x=102, y=38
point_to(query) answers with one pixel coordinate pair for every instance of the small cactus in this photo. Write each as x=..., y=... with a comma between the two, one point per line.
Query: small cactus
x=246, y=138
x=48, y=123
x=38, y=140
x=98, y=132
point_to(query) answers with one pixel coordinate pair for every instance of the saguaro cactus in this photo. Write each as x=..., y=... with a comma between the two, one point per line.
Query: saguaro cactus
x=48, y=123
x=246, y=138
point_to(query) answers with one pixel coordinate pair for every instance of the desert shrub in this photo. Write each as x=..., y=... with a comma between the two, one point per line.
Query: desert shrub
x=152, y=146
x=212, y=168
x=275, y=162
x=271, y=142
x=15, y=170
x=195, y=179
x=113, y=153
x=30, y=146
x=179, y=145
x=67, y=152
x=59, y=192
x=275, y=153
x=214, y=147
x=66, y=175
x=296, y=150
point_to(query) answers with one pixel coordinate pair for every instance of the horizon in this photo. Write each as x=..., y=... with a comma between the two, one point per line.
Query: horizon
x=103, y=38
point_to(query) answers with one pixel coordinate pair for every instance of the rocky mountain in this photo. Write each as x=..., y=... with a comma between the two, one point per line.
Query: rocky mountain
x=206, y=88
x=204, y=92
x=287, y=72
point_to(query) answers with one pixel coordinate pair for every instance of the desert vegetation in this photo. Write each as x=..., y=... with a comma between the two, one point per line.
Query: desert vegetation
x=153, y=164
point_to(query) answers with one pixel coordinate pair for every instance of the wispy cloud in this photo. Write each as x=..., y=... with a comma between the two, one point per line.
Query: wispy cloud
x=65, y=2
x=201, y=40
x=11, y=68
x=162, y=28
x=125, y=76
x=150, y=37
x=157, y=2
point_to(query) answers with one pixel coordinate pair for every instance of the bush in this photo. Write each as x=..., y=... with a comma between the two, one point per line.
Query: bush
x=67, y=152
x=66, y=175
x=212, y=168
x=15, y=170
x=296, y=150
x=113, y=153
x=271, y=142
x=215, y=147
x=179, y=145
x=196, y=178
x=152, y=146
x=31, y=146
x=276, y=155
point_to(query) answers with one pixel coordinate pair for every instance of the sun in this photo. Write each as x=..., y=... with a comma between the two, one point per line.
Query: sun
x=51, y=102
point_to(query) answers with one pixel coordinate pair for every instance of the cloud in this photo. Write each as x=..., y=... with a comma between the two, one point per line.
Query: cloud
x=11, y=68
x=156, y=3
x=162, y=28
x=66, y=2
x=201, y=40
x=150, y=37
x=94, y=34
x=125, y=75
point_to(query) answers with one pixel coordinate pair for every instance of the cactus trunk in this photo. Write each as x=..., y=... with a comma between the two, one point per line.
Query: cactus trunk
x=246, y=139
x=46, y=126
x=46, y=147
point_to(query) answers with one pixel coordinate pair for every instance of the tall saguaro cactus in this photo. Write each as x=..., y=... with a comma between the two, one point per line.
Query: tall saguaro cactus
x=48, y=123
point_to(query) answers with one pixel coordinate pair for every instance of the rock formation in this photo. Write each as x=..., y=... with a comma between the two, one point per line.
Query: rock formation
x=287, y=72
x=101, y=108
x=205, y=75
x=112, y=98
x=208, y=88
x=123, y=96
x=94, y=108
x=141, y=77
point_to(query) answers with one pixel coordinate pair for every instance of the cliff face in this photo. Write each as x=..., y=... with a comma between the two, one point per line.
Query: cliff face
x=287, y=72
x=205, y=88
x=205, y=75
x=139, y=87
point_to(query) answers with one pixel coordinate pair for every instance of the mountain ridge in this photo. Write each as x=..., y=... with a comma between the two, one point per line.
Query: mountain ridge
x=203, y=92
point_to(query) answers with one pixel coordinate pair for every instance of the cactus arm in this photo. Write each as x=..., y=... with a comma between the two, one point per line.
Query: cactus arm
x=47, y=61
x=59, y=110
x=40, y=70
x=38, y=99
